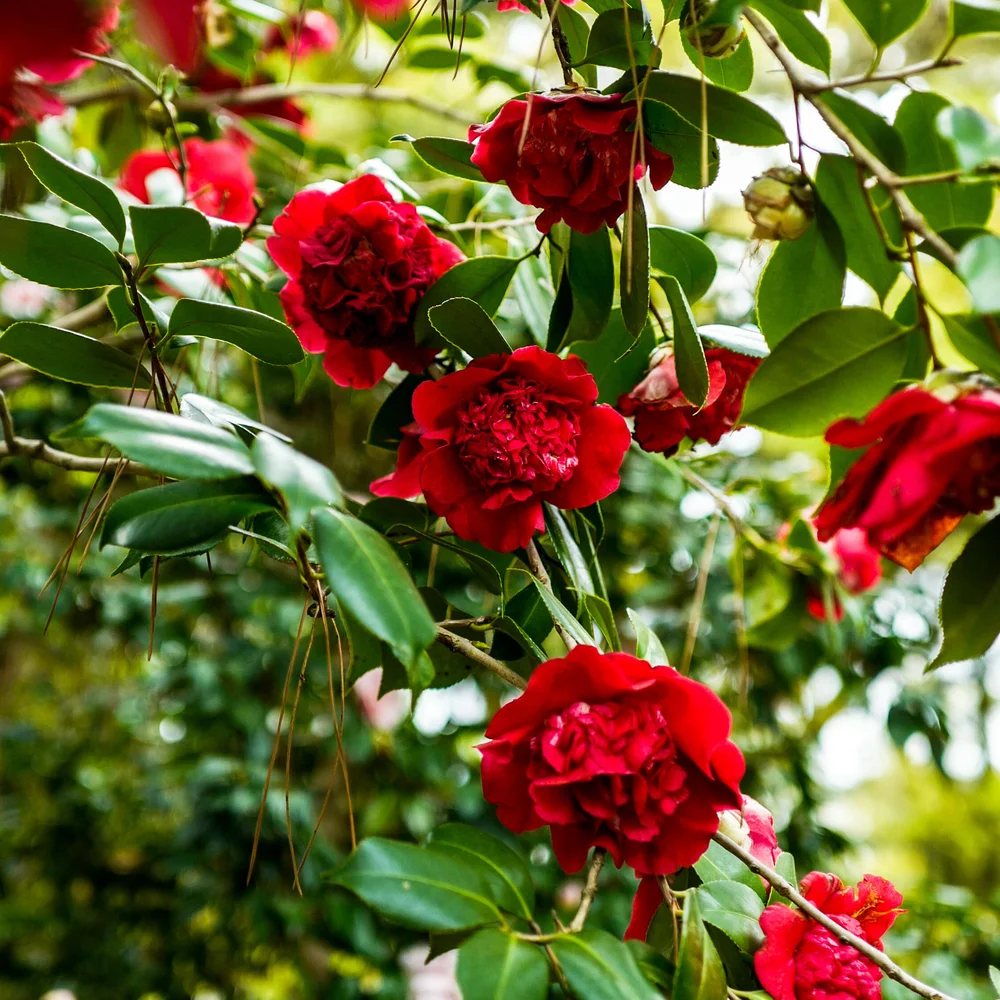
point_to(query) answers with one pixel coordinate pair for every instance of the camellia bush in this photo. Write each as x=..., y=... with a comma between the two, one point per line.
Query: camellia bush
x=524, y=330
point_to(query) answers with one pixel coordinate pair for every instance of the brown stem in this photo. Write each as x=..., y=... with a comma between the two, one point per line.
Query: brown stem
x=886, y=76
x=474, y=653
x=540, y=573
x=560, y=43
x=589, y=890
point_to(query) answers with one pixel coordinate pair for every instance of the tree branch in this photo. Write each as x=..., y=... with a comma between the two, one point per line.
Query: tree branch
x=886, y=76
x=472, y=652
x=873, y=954
x=560, y=43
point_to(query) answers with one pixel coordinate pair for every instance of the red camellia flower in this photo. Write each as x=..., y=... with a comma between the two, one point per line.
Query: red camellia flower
x=173, y=29
x=664, y=417
x=930, y=461
x=802, y=960
x=859, y=568
x=383, y=10
x=491, y=443
x=358, y=262
x=611, y=752
x=514, y=5
x=313, y=31
x=568, y=154
x=219, y=180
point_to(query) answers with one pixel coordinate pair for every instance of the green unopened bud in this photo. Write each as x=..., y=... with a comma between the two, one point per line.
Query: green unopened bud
x=158, y=117
x=780, y=202
x=712, y=28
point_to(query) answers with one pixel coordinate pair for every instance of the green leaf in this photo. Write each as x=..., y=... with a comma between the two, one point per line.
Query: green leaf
x=975, y=17
x=55, y=256
x=182, y=517
x=368, y=578
x=569, y=554
x=840, y=363
x=699, y=974
x=718, y=865
x=735, y=72
x=172, y=234
x=603, y=617
x=974, y=140
x=995, y=978
x=684, y=257
x=600, y=967
x=417, y=888
x=576, y=30
x=590, y=271
x=979, y=267
x=464, y=323
x=945, y=205
x=969, y=622
x=302, y=481
x=561, y=614
x=840, y=191
x=211, y=411
x=483, y=279
x=670, y=133
x=450, y=156
x=614, y=373
x=730, y=116
x=735, y=338
x=122, y=313
x=647, y=643
x=498, y=966
x=264, y=338
x=868, y=126
x=816, y=262
x=608, y=44
x=523, y=628
x=885, y=20
x=972, y=339
x=735, y=909
x=689, y=352
x=801, y=36
x=78, y=188
x=396, y=412
x=502, y=867
x=176, y=446
x=486, y=572
x=633, y=279
x=72, y=357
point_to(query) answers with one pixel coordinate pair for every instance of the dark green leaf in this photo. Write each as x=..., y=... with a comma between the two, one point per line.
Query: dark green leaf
x=78, y=188
x=672, y=134
x=975, y=17
x=969, y=622
x=569, y=554
x=171, y=234
x=717, y=864
x=735, y=909
x=464, y=323
x=524, y=628
x=868, y=126
x=121, y=311
x=561, y=614
x=600, y=967
x=484, y=279
x=577, y=32
x=729, y=115
x=972, y=338
x=684, y=257
x=634, y=277
x=182, y=517
x=261, y=336
x=590, y=271
x=837, y=364
x=486, y=572
x=613, y=373
x=735, y=338
x=735, y=72
x=502, y=867
x=803, y=277
x=367, y=577
x=436, y=58
x=647, y=643
x=450, y=156
x=603, y=617
x=689, y=352
x=498, y=966
x=885, y=20
x=394, y=413
x=72, y=357
x=416, y=887
x=979, y=267
x=801, y=36
x=699, y=974
x=608, y=44
x=55, y=256
x=176, y=446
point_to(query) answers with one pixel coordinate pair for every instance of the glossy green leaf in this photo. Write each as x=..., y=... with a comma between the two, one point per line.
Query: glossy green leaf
x=504, y=870
x=969, y=622
x=523, y=628
x=995, y=978
x=483, y=279
x=979, y=267
x=633, y=280
x=464, y=323
x=735, y=338
x=735, y=909
x=801, y=36
x=885, y=20
x=600, y=967
x=689, y=352
x=211, y=411
x=259, y=335
x=684, y=257
x=368, y=578
x=561, y=614
x=171, y=234
x=735, y=72
x=569, y=554
x=717, y=864
x=590, y=271
x=803, y=277
x=485, y=570
x=78, y=188
x=450, y=156
x=576, y=30
x=176, y=446
x=838, y=364
x=52, y=255
x=498, y=966
x=671, y=133
x=647, y=643
x=613, y=372
x=699, y=974
x=72, y=357
x=608, y=44
x=972, y=338
x=974, y=140
x=730, y=116
x=396, y=412
x=182, y=517
x=417, y=888
x=975, y=17
x=868, y=126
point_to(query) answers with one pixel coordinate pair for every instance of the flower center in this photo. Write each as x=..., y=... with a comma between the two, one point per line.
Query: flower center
x=513, y=434
x=826, y=967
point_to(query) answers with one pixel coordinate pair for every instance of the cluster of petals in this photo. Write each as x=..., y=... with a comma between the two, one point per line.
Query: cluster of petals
x=929, y=461
x=664, y=416
x=802, y=960
x=490, y=444
x=571, y=155
x=358, y=262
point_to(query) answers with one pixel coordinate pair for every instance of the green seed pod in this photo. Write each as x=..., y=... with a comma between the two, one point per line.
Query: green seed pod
x=780, y=202
x=711, y=30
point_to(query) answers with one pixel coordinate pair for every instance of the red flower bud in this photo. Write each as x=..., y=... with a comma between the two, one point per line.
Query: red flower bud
x=314, y=31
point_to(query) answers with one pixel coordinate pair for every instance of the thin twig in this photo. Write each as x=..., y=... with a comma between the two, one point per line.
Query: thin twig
x=560, y=43
x=540, y=573
x=704, y=569
x=885, y=76
x=41, y=451
x=472, y=652
x=589, y=890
